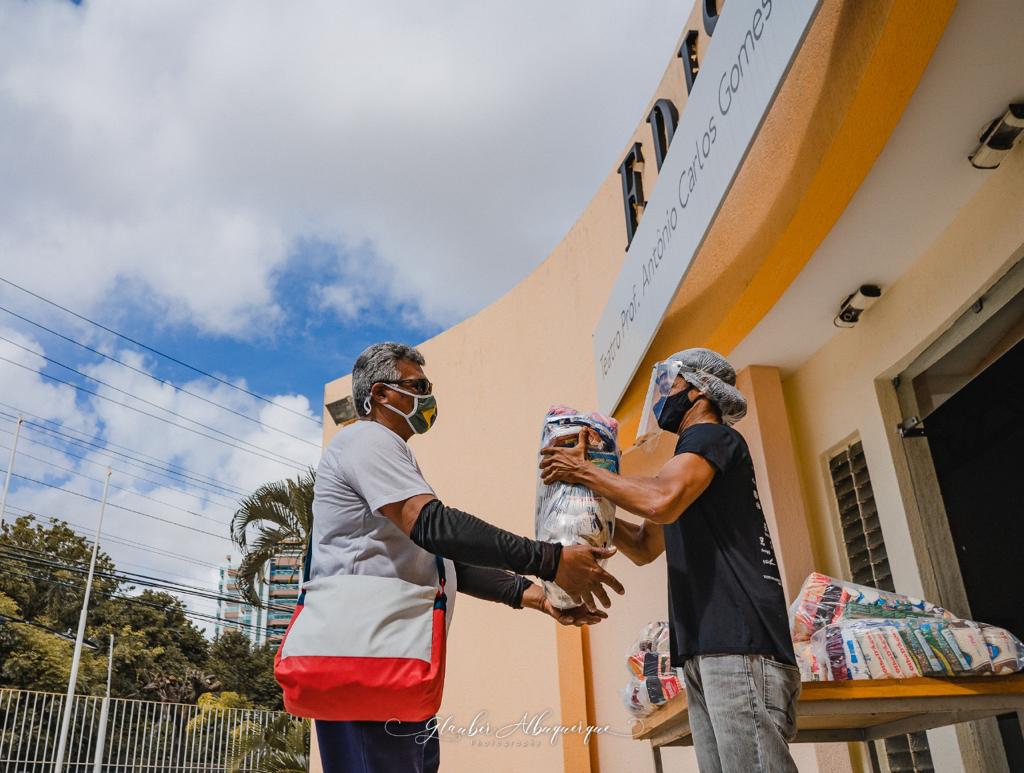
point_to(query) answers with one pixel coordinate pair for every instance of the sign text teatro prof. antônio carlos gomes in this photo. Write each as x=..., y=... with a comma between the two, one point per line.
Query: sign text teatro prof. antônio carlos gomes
x=753, y=45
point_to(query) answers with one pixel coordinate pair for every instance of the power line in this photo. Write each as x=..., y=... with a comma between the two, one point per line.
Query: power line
x=141, y=602
x=45, y=565
x=282, y=460
x=132, y=578
x=119, y=562
x=121, y=507
x=117, y=488
x=152, y=376
x=111, y=448
x=159, y=484
x=148, y=463
x=155, y=351
x=87, y=532
x=77, y=372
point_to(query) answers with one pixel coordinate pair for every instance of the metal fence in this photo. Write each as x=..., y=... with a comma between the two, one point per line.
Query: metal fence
x=140, y=735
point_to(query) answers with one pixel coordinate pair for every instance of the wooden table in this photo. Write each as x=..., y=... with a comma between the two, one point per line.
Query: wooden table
x=866, y=710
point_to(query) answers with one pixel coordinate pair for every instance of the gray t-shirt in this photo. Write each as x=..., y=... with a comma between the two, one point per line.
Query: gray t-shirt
x=363, y=468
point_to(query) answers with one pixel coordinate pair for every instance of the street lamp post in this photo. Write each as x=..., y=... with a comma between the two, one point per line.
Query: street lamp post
x=65, y=722
x=101, y=740
x=10, y=469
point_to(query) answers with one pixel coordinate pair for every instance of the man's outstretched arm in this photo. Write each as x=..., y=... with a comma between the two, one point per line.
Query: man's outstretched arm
x=465, y=538
x=518, y=592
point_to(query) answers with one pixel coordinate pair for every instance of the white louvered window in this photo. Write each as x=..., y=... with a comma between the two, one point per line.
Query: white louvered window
x=869, y=565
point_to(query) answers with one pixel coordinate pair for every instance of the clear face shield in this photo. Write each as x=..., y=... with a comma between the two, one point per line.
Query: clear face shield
x=662, y=378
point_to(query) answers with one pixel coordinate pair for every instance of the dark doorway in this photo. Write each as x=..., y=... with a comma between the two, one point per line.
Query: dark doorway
x=977, y=442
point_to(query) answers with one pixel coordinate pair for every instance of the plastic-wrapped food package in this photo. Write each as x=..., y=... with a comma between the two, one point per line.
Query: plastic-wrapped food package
x=824, y=600
x=909, y=647
x=652, y=680
x=568, y=513
x=846, y=631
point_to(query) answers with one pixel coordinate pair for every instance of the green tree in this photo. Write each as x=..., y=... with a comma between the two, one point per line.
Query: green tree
x=152, y=636
x=274, y=517
x=31, y=555
x=161, y=617
x=246, y=669
x=34, y=658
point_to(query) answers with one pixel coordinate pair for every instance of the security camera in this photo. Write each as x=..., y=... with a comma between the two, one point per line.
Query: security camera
x=856, y=304
x=998, y=138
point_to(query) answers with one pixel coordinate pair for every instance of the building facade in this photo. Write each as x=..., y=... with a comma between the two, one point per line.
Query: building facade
x=284, y=575
x=885, y=450
x=236, y=615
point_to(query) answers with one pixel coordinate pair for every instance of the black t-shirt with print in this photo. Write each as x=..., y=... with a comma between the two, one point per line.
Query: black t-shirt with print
x=725, y=594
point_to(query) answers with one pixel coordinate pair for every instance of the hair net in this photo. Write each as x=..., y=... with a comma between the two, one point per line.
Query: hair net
x=712, y=374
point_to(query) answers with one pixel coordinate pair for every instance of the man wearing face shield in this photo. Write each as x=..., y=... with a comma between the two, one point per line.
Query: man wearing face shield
x=374, y=514
x=728, y=623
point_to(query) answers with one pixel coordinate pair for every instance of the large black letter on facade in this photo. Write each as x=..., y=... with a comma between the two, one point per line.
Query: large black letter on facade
x=663, y=120
x=688, y=53
x=710, y=10
x=632, y=189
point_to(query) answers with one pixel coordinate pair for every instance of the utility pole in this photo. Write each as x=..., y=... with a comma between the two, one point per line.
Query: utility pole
x=97, y=764
x=10, y=469
x=65, y=723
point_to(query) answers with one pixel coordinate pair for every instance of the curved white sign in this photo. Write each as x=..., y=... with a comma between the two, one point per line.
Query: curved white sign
x=752, y=48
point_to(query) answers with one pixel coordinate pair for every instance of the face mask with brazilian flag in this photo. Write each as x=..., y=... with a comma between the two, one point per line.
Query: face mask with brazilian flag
x=423, y=413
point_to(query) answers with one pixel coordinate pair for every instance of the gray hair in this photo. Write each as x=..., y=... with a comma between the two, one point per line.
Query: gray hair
x=379, y=363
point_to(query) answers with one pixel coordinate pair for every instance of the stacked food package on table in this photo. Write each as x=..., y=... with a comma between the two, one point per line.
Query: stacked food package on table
x=568, y=513
x=652, y=680
x=846, y=631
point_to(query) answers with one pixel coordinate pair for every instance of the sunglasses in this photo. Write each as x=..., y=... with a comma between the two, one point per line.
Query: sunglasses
x=420, y=386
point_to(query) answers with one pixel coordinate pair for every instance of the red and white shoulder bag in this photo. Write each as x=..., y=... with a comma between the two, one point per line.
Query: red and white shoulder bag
x=360, y=647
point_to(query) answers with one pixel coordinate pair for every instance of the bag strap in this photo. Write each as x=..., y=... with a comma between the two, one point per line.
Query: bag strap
x=306, y=562
x=441, y=599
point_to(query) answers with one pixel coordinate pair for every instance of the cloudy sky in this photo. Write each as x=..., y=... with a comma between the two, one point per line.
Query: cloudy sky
x=261, y=189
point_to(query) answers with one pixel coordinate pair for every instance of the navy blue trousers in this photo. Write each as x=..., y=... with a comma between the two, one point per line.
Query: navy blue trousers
x=378, y=747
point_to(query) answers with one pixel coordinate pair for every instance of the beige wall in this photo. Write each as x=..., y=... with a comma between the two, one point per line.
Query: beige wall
x=497, y=373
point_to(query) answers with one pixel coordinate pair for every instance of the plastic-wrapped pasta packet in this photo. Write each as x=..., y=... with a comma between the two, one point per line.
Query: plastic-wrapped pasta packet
x=1004, y=649
x=569, y=513
x=824, y=600
x=812, y=662
x=905, y=648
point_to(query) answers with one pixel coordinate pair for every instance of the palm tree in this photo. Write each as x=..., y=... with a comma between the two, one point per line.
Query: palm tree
x=276, y=517
x=282, y=746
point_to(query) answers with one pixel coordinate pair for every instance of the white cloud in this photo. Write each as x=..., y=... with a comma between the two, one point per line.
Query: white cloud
x=114, y=427
x=181, y=150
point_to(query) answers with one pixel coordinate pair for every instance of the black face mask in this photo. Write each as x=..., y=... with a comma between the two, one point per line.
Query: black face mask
x=673, y=409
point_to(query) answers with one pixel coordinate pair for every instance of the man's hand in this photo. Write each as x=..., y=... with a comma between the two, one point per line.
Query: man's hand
x=582, y=577
x=534, y=598
x=563, y=465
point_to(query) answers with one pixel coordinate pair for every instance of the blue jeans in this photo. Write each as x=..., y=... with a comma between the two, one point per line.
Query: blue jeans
x=742, y=713
x=378, y=747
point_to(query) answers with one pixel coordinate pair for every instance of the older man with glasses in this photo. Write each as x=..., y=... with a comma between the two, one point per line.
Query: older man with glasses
x=373, y=513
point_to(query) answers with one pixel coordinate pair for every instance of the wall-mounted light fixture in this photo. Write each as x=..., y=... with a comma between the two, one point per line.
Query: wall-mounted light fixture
x=342, y=411
x=855, y=304
x=998, y=138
